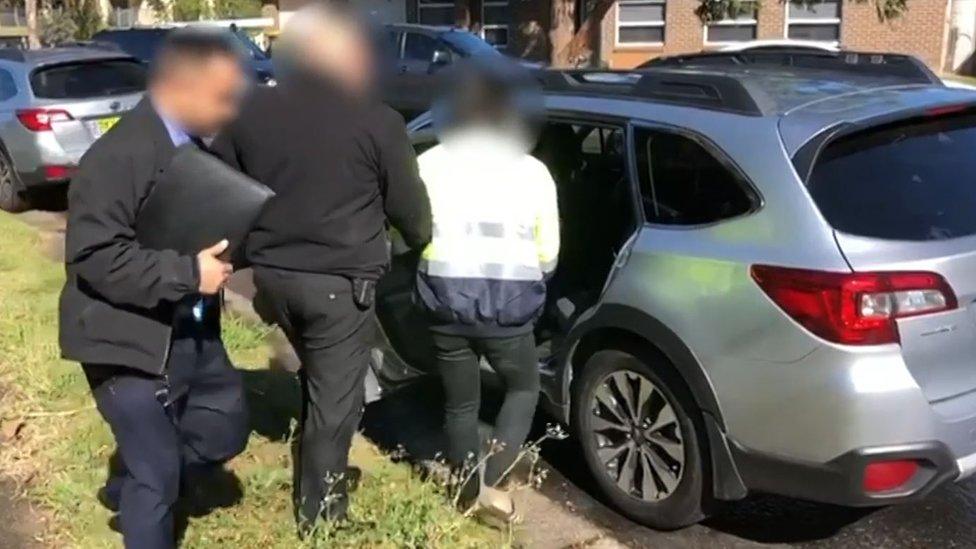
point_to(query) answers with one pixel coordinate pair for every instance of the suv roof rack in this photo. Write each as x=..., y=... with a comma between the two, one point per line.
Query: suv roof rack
x=903, y=67
x=705, y=90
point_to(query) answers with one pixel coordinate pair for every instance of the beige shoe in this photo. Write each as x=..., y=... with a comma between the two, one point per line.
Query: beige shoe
x=496, y=507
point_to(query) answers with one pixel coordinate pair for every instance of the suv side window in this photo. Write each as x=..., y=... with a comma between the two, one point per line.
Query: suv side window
x=8, y=89
x=419, y=47
x=683, y=183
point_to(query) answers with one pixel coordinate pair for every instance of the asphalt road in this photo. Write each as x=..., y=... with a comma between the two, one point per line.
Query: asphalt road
x=945, y=519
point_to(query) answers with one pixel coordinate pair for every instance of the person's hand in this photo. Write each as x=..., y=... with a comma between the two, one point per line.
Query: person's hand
x=213, y=272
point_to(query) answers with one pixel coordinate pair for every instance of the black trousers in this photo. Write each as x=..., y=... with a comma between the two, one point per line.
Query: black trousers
x=193, y=419
x=514, y=359
x=332, y=336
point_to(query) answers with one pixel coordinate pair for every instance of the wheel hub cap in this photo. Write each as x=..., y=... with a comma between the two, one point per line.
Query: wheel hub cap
x=638, y=437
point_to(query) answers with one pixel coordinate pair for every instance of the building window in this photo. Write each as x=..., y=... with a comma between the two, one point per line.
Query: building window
x=818, y=21
x=640, y=22
x=435, y=12
x=741, y=28
x=495, y=16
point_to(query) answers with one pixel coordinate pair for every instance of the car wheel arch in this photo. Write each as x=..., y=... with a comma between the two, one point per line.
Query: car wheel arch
x=620, y=323
x=614, y=326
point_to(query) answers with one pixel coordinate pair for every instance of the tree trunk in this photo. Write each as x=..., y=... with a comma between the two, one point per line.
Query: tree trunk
x=571, y=46
x=33, y=32
x=563, y=20
x=462, y=14
x=580, y=49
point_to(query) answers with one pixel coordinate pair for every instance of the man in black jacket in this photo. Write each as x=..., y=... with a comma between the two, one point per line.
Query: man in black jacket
x=142, y=322
x=342, y=167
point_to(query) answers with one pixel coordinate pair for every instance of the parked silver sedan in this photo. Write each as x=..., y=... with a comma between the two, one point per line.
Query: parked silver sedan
x=54, y=103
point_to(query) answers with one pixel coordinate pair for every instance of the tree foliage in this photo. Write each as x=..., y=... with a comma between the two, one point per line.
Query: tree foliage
x=236, y=9
x=67, y=20
x=57, y=26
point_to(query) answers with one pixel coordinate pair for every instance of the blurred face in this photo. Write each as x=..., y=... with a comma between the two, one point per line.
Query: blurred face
x=202, y=96
x=344, y=54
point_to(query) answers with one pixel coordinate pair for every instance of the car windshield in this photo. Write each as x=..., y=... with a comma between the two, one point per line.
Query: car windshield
x=86, y=79
x=912, y=180
x=467, y=44
x=252, y=49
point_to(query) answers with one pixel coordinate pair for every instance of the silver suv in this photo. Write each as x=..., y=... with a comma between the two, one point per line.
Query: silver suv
x=767, y=280
x=54, y=103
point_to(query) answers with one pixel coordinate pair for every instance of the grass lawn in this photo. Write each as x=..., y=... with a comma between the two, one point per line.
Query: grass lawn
x=62, y=446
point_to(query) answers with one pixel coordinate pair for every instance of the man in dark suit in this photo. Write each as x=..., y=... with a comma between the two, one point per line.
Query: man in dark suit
x=144, y=323
x=343, y=169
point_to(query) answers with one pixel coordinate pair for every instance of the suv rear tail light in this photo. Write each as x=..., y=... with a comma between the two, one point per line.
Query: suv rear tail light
x=882, y=476
x=40, y=120
x=854, y=308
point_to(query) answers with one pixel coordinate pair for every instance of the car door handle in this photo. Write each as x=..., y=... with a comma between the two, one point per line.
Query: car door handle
x=403, y=69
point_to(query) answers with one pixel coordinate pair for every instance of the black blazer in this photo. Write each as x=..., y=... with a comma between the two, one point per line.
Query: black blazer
x=116, y=307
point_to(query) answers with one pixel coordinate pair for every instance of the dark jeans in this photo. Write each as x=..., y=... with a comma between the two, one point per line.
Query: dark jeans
x=514, y=359
x=196, y=418
x=332, y=337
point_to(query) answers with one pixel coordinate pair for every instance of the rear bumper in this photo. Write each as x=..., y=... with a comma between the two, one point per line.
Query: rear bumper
x=38, y=178
x=839, y=481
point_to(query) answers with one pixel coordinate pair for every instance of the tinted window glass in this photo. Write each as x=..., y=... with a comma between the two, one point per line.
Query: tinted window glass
x=419, y=47
x=682, y=183
x=7, y=87
x=824, y=33
x=250, y=49
x=88, y=79
x=910, y=181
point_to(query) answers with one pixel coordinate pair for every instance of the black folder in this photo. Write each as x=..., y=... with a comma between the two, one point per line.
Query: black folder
x=197, y=202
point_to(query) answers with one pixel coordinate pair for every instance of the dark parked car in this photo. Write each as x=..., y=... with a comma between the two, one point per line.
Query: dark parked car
x=415, y=56
x=142, y=44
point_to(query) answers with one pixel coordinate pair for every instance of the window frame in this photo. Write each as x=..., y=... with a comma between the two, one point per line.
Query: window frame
x=618, y=24
x=441, y=4
x=822, y=21
x=730, y=22
x=434, y=4
x=564, y=116
x=494, y=26
x=755, y=197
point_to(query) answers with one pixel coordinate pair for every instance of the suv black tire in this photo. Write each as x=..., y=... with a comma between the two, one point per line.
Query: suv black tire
x=12, y=197
x=683, y=506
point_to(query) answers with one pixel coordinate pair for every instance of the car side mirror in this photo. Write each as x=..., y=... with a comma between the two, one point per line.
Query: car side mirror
x=440, y=58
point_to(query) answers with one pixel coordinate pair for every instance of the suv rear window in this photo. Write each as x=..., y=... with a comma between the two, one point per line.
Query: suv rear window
x=85, y=79
x=913, y=180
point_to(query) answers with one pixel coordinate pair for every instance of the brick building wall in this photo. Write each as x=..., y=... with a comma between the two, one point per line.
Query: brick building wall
x=922, y=31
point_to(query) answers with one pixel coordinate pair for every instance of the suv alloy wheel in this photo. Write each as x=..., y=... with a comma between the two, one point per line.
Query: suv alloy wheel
x=639, y=439
x=11, y=199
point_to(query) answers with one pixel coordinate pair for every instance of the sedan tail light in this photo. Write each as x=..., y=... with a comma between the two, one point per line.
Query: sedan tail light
x=40, y=120
x=854, y=308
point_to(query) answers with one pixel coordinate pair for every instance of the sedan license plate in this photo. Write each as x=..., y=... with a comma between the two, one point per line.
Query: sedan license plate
x=99, y=126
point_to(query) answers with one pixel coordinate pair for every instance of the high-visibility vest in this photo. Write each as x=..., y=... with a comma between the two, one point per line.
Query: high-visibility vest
x=495, y=237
